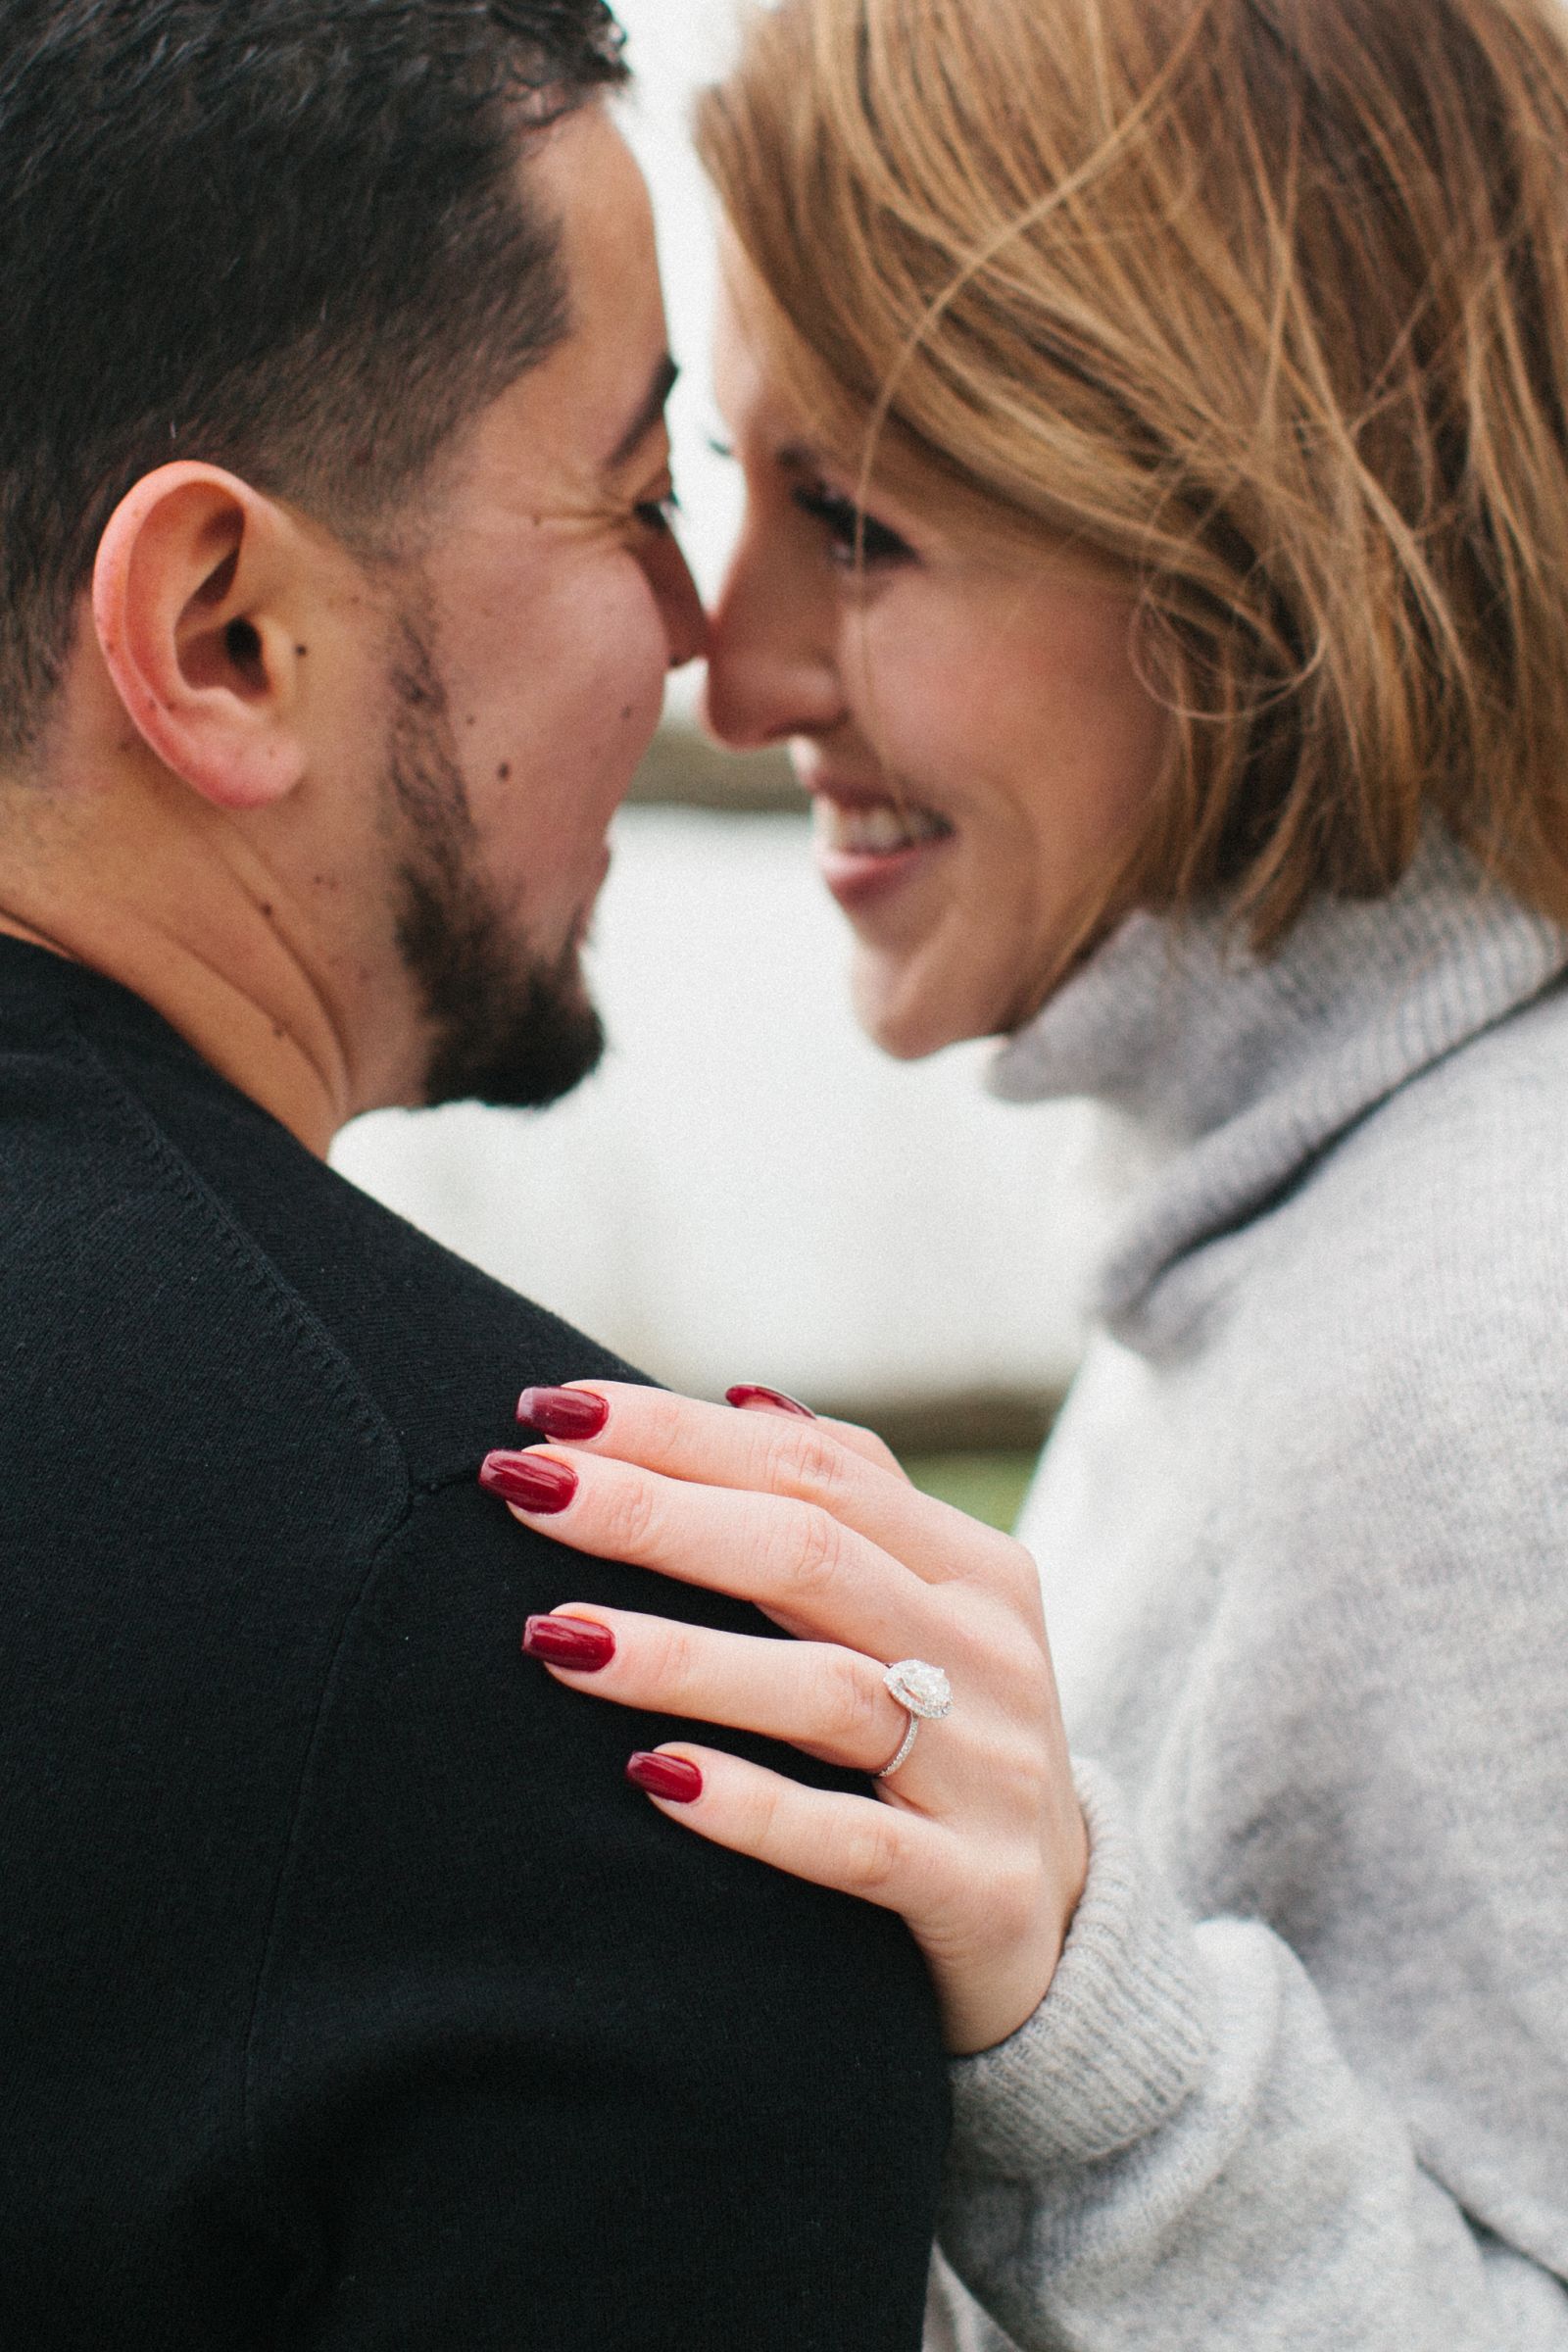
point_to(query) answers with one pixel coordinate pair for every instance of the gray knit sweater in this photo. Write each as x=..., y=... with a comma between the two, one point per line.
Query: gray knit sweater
x=1303, y=2078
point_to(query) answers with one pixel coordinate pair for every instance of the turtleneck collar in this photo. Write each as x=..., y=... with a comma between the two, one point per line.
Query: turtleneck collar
x=1239, y=1070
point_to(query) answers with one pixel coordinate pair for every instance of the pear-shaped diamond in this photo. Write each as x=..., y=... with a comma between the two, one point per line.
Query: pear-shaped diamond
x=924, y=1689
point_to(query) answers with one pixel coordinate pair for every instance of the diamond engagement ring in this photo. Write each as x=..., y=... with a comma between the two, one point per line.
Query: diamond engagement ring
x=924, y=1694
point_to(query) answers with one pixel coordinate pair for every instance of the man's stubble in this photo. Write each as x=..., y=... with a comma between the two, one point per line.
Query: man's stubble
x=508, y=1027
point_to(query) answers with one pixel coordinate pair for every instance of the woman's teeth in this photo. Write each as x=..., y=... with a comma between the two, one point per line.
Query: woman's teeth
x=879, y=831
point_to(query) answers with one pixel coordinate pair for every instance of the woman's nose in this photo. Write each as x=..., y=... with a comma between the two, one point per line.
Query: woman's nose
x=770, y=668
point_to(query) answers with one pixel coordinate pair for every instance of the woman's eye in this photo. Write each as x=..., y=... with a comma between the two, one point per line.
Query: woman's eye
x=856, y=536
x=658, y=514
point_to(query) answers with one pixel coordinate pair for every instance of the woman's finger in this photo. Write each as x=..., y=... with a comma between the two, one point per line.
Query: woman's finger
x=750, y=1398
x=811, y=1573
x=830, y=1701
x=783, y=1454
x=992, y=1925
x=881, y=1854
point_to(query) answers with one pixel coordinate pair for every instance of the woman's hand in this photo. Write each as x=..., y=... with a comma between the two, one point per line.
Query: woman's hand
x=978, y=1841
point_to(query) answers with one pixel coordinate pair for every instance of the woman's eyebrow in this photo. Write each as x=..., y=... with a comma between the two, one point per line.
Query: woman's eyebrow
x=667, y=375
x=812, y=462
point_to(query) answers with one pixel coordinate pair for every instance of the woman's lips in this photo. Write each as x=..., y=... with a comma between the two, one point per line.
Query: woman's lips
x=867, y=849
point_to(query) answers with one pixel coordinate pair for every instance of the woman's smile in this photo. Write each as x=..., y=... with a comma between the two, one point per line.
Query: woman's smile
x=869, y=846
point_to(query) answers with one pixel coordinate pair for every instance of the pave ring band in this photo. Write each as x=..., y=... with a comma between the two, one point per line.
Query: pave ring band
x=924, y=1694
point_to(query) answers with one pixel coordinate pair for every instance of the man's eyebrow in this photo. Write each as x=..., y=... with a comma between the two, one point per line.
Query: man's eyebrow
x=667, y=375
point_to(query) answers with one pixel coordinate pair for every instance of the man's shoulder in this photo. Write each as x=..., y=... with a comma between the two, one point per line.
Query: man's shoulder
x=363, y=1920
x=153, y=1214
x=229, y=1382
x=441, y=1348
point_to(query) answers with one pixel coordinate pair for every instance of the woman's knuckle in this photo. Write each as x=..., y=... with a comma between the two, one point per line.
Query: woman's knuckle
x=1016, y=1772
x=802, y=1462
x=763, y=1806
x=631, y=1518
x=854, y=1701
x=875, y=1858
x=659, y=1411
x=821, y=1466
x=671, y=1655
x=816, y=1550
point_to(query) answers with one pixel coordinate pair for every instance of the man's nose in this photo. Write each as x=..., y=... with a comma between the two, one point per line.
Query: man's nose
x=680, y=603
x=772, y=672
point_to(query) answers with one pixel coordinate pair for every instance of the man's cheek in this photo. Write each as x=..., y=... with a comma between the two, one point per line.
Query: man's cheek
x=623, y=673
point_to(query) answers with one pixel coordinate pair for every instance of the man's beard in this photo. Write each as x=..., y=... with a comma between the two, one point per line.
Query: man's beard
x=508, y=1027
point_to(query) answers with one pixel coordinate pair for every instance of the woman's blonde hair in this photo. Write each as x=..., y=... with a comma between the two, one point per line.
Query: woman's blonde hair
x=1266, y=302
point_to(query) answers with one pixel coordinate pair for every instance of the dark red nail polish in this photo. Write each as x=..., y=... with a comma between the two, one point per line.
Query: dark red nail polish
x=563, y=1412
x=572, y=1641
x=533, y=1483
x=749, y=1393
x=670, y=1777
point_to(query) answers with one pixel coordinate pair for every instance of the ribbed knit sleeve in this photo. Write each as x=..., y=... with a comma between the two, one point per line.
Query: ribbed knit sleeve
x=1177, y=2154
x=1120, y=2042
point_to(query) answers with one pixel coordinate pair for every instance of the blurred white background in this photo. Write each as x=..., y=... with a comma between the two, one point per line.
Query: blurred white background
x=676, y=46
x=747, y=1189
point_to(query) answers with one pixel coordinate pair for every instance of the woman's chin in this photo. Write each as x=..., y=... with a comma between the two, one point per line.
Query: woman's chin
x=907, y=1016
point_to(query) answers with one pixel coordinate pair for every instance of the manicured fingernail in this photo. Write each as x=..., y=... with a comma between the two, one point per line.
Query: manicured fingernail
x=575, y=1642
x=748, y=1394
x=533, y=1483
x=563, y=1412
x=670, y=1777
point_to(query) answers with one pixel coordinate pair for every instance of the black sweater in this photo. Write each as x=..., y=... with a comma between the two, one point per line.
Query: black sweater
x=348, y=1996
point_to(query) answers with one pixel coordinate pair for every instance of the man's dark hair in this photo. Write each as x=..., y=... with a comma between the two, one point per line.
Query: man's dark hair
x=281, y=235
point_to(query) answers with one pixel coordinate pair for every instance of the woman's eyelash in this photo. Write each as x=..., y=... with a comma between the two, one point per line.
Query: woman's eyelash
x=854, y=533
x=659, y=513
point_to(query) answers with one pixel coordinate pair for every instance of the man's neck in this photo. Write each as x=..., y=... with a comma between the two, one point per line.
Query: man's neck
x=34, y=939
x=217, y=952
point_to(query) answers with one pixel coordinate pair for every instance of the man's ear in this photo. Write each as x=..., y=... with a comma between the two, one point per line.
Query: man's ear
x=199, y=597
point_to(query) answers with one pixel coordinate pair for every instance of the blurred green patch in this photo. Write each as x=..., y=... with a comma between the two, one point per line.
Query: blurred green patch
x=988, y=1486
